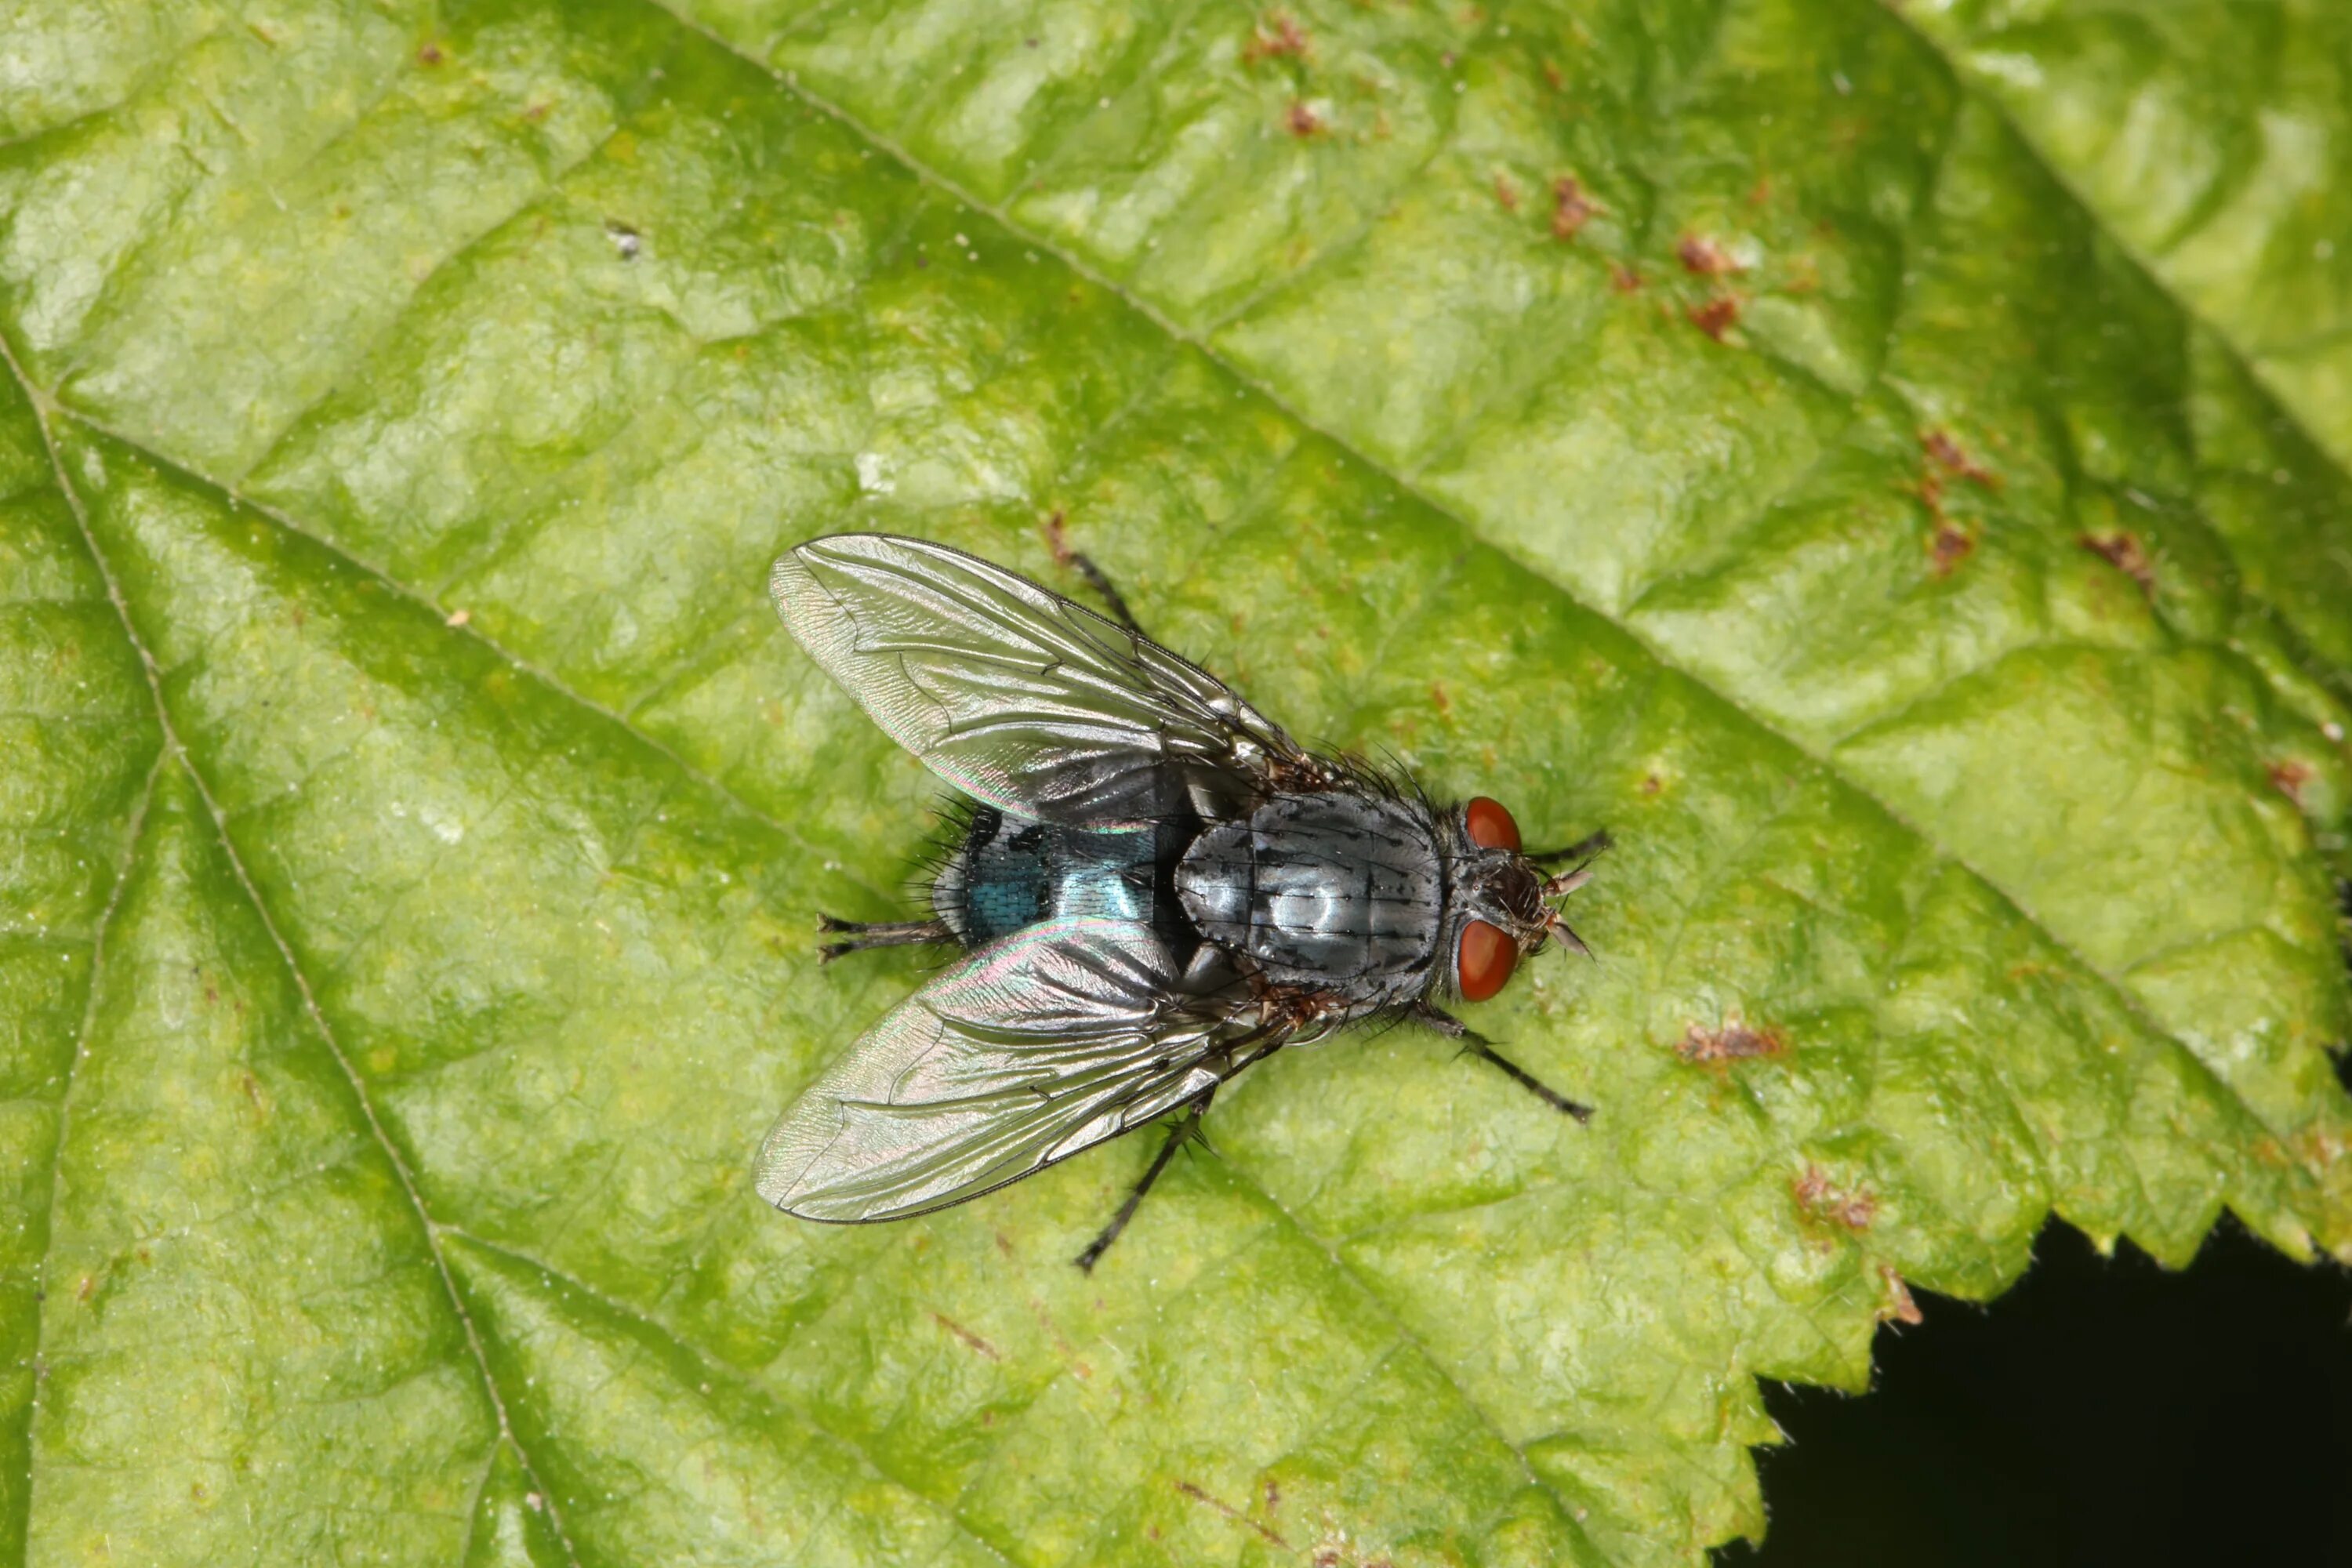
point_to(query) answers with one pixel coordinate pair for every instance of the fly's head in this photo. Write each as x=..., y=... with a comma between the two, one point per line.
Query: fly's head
x=1501, y=905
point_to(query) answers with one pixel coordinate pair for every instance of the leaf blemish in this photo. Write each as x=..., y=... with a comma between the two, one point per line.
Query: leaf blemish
x=1716, y=317
x=1939, y=445
x=1823, y=1200
x=1951, y=545
x=1571, y=207
x=1278, y=36
x=967, y=1336
x=2288, y=776
x=2123, y=550
x=1230, y=1512
x=1733, y=1042
x=1702, y=258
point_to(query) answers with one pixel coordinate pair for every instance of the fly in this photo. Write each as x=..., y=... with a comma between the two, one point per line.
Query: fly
x=1155, y=887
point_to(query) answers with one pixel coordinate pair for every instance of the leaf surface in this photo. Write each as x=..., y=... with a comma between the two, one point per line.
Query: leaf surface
x=1738, y=425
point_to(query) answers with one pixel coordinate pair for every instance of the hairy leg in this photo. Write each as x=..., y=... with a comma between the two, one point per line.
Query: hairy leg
x=1475, y=1045
x=1179, y=1135
x=1097, y=578
x=863, y=934
x=1584, y=849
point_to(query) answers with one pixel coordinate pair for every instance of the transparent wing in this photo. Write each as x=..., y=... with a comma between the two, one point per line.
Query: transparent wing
x=1014, y=694
x=1041, y=1045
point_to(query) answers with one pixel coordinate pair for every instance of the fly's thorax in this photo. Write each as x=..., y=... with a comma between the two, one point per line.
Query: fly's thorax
x=1335, y=891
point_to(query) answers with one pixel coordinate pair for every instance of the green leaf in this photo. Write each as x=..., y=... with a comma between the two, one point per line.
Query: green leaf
x=1923, y=538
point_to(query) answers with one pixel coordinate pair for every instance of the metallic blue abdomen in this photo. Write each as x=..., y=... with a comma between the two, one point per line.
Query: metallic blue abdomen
x=1009, y=873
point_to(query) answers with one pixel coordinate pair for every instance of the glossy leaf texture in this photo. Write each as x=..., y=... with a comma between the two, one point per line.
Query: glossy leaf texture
x=1888, y=465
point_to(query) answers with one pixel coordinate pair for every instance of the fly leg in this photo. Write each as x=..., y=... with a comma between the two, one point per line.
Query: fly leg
x=1096, y=577
x=863, y=934
x=1474, y=1044
x=1584, y=849
x=1183, y=1132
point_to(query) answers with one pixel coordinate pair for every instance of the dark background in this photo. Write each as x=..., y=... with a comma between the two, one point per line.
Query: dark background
x=2104, y=1411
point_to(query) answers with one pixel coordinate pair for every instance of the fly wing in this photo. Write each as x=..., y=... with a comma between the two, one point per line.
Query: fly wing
x=1041, y=1045
x=1014, y=694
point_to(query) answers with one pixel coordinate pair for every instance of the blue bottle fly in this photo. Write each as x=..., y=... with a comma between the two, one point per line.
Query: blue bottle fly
x=1154, y=885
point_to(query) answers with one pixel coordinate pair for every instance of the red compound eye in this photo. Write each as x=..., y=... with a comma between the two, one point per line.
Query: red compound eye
x=1487, y=957
x=1491, y=827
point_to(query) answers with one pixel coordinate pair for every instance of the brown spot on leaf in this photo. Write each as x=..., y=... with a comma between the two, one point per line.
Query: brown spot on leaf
x=1702, y=258
x=967, y=1336
x=1733, y=1042
x=1230, y=1512
x=1302, y=120
x=1571, y=208
x=1822, y=1199
x=1716, y=317
x=1899, y=1304
x=1506, y=192
x=1279, y=37
x=1939, y=445
x=2123, y=550
x=2288, y=776
x=1950, y=545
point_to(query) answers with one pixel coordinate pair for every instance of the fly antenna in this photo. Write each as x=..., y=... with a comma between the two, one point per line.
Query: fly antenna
x=1562, y=933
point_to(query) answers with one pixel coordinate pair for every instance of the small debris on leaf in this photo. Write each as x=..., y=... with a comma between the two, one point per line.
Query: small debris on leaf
x=1276, y=37
x=1572, y=210
x=2288, y=776
x=1939, y=445
x=1733, y=1042
x=1716, y=317
x=2123, y=550
x=1825, y=1200
x=1703, y=257
x=1899, y=1304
